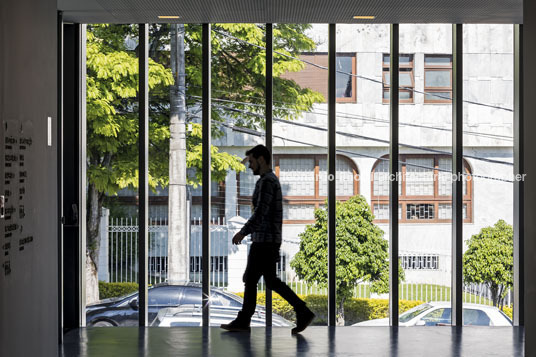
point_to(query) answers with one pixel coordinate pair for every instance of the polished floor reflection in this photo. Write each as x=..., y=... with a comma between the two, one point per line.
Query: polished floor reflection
x=315, y=341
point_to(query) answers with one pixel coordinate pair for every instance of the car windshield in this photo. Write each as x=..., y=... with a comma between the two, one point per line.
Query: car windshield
x=408, y=315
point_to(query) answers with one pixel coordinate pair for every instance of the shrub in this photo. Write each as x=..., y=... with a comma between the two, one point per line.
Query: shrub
x=508, y=311
x=110, y=290
x=355, y=310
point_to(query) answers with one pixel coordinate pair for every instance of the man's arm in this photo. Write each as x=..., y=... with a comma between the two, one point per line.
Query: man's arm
x=266, y=195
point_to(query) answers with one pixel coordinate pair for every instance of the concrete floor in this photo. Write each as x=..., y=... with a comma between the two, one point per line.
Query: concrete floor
x=315, y=341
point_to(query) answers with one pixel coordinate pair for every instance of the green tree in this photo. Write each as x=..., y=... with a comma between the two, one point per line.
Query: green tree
x=112, y=111
x=361, y=251
x=489, y=260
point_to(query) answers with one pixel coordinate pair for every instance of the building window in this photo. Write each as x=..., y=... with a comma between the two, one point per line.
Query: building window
x=438, y=78
x=425, y=190
x=420, y=262
x=317, y=78
x=406, y=79
x=303, y=181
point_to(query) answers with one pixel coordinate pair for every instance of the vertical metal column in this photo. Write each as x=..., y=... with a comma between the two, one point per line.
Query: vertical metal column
x=268, y=135
x=332, y=152
x=457, y=171
x=519, y=190
x=143, y=169
x=206, y=116
x=60, y=175
x=83, y=173
x=393, y=177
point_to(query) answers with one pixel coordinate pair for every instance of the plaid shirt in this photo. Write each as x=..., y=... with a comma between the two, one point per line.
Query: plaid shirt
x=267, y=218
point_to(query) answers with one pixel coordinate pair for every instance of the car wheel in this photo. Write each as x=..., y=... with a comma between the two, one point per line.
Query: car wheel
x=103, y=324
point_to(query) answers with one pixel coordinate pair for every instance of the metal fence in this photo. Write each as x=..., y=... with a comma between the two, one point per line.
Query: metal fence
x=123, y=263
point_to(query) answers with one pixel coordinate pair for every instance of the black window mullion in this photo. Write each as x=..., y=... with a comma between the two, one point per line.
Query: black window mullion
x=519, y=169
x=268, y=136
x=393, y=173
x=457, y=171
x=143, y=169
x=331, y=174
x=206, y=193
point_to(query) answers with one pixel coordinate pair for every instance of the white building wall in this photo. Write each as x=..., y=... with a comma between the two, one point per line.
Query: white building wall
x=488, y=79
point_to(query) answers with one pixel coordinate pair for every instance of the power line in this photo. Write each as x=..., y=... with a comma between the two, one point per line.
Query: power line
x=362, y=77
x=370, y=138
x=260, y=134
x=365, y=118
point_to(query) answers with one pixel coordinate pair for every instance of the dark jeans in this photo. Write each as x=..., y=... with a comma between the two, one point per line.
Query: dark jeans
x=262, y=261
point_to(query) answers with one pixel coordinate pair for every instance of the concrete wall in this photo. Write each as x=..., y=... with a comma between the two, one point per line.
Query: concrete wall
x=28, y=95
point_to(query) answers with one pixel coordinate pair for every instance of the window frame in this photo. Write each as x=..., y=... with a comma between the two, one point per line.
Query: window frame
x=436, y=199
x=431, y=68
x=403, y=67
x=321, y=58
x=315, y=199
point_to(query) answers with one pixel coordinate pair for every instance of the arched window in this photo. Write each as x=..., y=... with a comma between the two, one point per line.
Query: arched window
x=304, y=184
x=425, y=189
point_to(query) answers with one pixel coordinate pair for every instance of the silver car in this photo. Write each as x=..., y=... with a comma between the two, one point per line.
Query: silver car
x=191, y=315
x=438, y=314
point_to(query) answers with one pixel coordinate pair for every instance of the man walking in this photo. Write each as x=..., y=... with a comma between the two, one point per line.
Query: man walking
x=264, y=225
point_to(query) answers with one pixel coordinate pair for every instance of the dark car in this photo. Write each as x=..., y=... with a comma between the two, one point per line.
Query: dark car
x=123, y=311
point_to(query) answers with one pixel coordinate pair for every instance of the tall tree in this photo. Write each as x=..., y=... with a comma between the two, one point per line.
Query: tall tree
x=112, y=82
x=489, y=260
x=361, y=251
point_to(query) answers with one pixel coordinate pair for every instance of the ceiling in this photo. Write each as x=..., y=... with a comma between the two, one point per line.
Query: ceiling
x=293, y=11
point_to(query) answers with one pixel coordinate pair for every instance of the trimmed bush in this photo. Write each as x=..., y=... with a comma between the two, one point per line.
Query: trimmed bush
x=355, y=310
x=508, y=311
x=110, y=290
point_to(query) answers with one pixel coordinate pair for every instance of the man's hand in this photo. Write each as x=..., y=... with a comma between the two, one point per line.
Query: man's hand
x=238, y=238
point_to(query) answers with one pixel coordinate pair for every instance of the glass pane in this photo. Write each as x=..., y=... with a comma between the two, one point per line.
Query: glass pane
x=437, y=78
x=443, y=96
x=405, y=79
x=362, y=228
x=298, y=212
x=343, y=81
x=344, y=177
x=112, y=172
x=425, y=136
x=300, y=141
x=419, y=176
x=297, y=176
x=437, y=60
x=488, y=126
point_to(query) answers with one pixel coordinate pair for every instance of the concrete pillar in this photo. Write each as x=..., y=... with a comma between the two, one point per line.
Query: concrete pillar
x=238, y=256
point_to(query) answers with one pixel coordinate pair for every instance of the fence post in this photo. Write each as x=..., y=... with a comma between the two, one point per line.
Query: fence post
x=103, y=268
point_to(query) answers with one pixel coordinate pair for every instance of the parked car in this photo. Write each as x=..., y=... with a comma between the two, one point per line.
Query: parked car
x=438, y=314
x=123, y=311
x=191, y=315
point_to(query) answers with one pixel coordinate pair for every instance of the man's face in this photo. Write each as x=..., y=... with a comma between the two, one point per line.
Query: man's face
x=254, y=164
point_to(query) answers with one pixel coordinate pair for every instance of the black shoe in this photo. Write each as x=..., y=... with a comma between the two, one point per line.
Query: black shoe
x=303, y=319
x=236, y=326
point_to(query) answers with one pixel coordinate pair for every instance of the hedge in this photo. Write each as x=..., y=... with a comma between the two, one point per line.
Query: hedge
x=355, y=310
x=110, y=290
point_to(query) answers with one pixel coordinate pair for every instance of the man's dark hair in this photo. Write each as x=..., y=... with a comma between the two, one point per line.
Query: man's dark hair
x=260, y=150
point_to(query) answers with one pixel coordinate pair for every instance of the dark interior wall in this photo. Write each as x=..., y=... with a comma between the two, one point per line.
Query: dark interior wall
x=529, y=58
x=28, y=95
